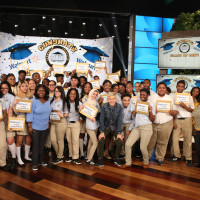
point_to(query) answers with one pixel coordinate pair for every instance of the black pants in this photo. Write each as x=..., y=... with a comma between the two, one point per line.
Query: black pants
x=197, y=145
x=38, y=141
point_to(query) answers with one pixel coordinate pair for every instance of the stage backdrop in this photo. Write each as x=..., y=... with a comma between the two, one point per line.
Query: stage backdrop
x=179, y=53
x=41, y=53
x=171, y=81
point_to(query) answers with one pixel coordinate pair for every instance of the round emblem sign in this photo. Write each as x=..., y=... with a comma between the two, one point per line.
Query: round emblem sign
x=184, y=47
x=57, y=55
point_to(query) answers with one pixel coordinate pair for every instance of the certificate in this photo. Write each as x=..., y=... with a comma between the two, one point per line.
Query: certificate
x=16, y=124
x=119, y=72
x=95, y=84
x=89, y=111
x=112, y=81
x=23, y=66
x=142, y=107
x=134, y=100
x=38, y=71
x=58, y=69
x=182, y=97
x=105, y=98
x=54, y=116
x=1, y=112
x=100, y=64
x=114, y=76
x=24, y=106
x=163, y=106
x=82, y=67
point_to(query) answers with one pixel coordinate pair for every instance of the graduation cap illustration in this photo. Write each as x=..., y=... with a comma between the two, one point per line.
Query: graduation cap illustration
x=93, y=53
x=167, y=46
x=19, y=51
x=197, y=84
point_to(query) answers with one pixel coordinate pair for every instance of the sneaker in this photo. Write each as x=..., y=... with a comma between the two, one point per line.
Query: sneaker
x=91, y=162
x=77, y=161
x=118, y=162
x=159, y=162
x=101, y=162
x=35, y=168
x=43, y=164
x=68, y=159
x=5, y=168
x=189, y=163
x=58, y=160
x=173, y=159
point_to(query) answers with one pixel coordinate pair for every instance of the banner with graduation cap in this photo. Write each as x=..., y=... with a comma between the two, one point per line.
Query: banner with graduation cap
x=179, y=53
x=41, y=53
x=171, y=81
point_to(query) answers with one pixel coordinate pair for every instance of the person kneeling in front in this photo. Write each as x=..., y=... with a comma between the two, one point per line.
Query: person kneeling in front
x=110, y=125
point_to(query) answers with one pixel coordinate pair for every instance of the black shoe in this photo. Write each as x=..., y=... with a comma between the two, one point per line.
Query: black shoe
x=159, y=162
x=91, y=162
x=196, y=165
x=35, y=168
x=5, y=168
x=118, y=162
x=121, y=156
x=43, y=164
x=77, y=161
x=82, y=157
x=13, y=163
x=58, y=160
x=189, y=163
x=101, y=162
x=173, y=159
x=68, y=159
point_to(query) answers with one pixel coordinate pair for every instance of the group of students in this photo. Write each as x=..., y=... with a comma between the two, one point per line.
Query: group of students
x=117, y=126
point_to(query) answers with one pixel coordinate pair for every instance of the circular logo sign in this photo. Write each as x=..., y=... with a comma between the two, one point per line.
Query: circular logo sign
x=184, y=47
x=57, y=55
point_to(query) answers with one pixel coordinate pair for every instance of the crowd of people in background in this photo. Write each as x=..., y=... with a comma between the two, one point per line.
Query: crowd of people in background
x=117, y=132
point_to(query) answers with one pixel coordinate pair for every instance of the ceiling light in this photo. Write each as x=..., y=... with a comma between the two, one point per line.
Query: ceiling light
x=66, y=33
x=53, y=19
x=43, y=17
x=49, y=31
x=84, y=23
x=34, y=29
x=97, y=35
x=16, y=25
x=100, y=24
x=70, y=22
x=115, y=26
x=82, y=34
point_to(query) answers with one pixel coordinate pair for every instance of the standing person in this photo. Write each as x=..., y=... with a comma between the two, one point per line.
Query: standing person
x=110, y=125
x=38, y=123
x=73, y=125
x=196, y=130
x=3, y=149
x=162, y=126
x=21, y=76
x=57, y=130
x=137, y=87
x=83, y=80
x=123, y=80
x=86, y=88
x=32, y=86
x=45, y=82
x=74, y=83
x=195, y=92
x=9, y=98
x=106, y=89
x=92, y=127
x=143, y=130
x=122, y=89
x=52, y=86
x=3, y=78
x=36, y=77
x=12, y=81
x=59, y=79
x=183, y=122
x=22, y=94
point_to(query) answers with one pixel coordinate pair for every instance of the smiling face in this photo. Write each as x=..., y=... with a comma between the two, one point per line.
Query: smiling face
x=74, y=83
x=107, y=87
x=195, y=92
x=180, y=87
x=116, y=89
x=57, y=93
x=94, y=95
x=161, y=90
x=24, y=88
x=11, y=80
x=112, y=100
x=4, y=89
x=143, y=96
x=126, y=101
x=72, y=95
x=137, y=87
x=129, y=88
x=87, y=88
x=41, y=92
x=36, y=78
x=32, y=85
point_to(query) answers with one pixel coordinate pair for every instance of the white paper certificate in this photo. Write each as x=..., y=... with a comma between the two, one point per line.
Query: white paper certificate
x=82, y=67
x=23, y=66
x=105, y=98
x=112, y=81
x=182, y=97
x=58, y=69
x=24, y=106
x=16, y=124
x=163, y=106
x=134, y=100
x=142, y=107
x=89, y=111
x=54, y=116
x=114, y=76
x=95, y=84
x=100, y=64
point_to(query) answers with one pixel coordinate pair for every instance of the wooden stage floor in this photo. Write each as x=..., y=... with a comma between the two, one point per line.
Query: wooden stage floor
x=69, y=181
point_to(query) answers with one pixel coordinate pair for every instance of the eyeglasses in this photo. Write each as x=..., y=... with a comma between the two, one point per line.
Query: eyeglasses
x=57, y=91
x=4, y=88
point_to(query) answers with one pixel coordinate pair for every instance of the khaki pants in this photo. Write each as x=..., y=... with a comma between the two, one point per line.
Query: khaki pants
x=72, y=135
x=160, y=139
x=92, y=144
x=57, y=134
x=48, y=139
x=125, y=128
x=2, y=144
x=184, y=125
x=144, y=133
